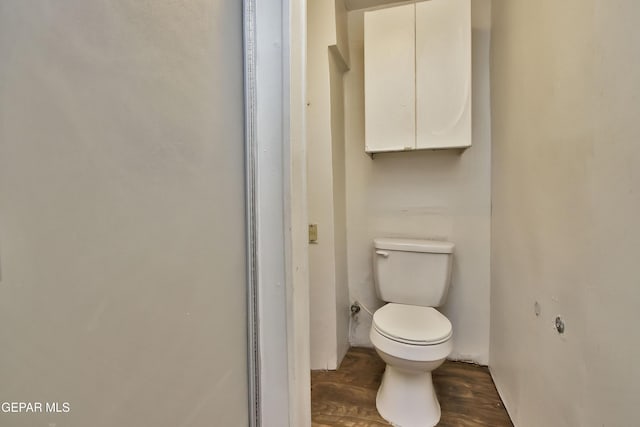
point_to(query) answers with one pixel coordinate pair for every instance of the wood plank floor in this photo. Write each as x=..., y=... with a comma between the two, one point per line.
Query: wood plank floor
x=347, y=397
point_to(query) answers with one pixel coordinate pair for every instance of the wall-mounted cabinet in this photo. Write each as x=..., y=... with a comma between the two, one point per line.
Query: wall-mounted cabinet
x=418, y=76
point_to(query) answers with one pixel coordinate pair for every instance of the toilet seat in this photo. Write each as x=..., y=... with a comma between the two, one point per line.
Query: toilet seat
x=410, y=352
x=413, y=325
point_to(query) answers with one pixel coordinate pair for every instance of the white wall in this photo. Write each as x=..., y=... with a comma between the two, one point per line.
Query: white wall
x=122, y=212
x=566, y=189
x=326, y=186
x=337, y=67
x=424, y=194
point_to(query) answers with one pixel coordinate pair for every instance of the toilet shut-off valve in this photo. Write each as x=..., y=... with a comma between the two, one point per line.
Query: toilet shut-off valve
x=355, y=309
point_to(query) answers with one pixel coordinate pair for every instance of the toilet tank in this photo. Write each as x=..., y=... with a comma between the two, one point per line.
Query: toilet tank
x=415, y=272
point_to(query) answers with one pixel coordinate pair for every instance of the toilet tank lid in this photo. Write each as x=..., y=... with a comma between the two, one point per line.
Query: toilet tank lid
x=414, y=245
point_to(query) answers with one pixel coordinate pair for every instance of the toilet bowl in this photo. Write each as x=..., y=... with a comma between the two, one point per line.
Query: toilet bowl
x=412, y=341
x=408, y=333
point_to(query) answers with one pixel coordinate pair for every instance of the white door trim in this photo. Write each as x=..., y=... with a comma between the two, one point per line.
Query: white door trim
x=275, y=44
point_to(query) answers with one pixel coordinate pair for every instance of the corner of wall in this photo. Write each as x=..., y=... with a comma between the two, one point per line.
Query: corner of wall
x=327, y=56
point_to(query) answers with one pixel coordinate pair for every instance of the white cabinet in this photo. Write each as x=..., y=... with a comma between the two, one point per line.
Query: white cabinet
x=443, y=74
x=418, y=76
x=390, y=113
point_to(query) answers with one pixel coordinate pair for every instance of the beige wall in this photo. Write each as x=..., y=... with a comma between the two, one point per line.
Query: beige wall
x=565, y=98
x=326, y=183
x=122, y=212
x=424, y=194
x=342, y=29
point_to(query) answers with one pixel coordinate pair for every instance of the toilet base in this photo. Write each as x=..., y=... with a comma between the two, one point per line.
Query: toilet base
x=407, y=398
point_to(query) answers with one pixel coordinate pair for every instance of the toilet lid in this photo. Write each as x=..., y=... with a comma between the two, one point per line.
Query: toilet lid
x=412, y=324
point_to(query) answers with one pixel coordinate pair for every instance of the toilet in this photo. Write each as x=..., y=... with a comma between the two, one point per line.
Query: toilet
x=408, y=333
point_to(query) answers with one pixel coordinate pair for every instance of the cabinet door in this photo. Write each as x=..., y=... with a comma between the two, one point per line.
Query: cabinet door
x=389, y=89
x=443, y=74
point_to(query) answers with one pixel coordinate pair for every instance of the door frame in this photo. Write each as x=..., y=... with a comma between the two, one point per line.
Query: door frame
x=277, y=245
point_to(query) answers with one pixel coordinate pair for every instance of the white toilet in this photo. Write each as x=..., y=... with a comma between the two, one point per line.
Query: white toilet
x=411, y=336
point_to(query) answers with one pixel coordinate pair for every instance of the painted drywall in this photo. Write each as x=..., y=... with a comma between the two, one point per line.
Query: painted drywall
x=365, y=4
x=122, y=212
x=424, y=194
x=326, y=187
x=342, y=30
x=565, y=207
x=337, y=67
